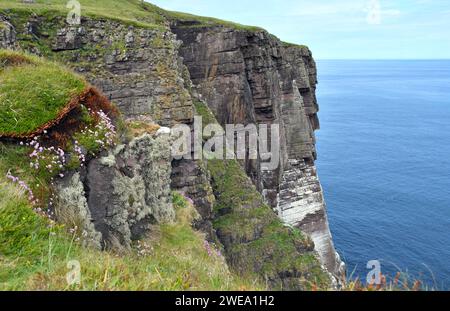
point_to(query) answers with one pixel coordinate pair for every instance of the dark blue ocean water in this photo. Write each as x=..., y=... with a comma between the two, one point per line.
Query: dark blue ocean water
x=384, y=162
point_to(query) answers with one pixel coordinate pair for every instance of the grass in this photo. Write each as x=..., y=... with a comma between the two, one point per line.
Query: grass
x=288, y=44
x=206, y=114
x=33, y=93
x=136, y=12
x=261, y=242
x=129, y=11
x=191, y=20
x=34, y=256
x=400, y=282
x=138, y=128
x=15, y=159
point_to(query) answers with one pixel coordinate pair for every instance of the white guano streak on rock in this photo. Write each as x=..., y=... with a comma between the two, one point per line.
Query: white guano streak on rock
x=301, y=204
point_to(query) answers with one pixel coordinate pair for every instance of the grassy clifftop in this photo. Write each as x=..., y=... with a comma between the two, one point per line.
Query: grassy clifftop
x=133, y=11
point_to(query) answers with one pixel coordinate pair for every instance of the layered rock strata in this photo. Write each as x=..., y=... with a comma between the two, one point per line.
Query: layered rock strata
x=244, y=76
x=252, y=77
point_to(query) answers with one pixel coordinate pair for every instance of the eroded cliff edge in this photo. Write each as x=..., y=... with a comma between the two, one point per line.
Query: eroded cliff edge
x=244, y=76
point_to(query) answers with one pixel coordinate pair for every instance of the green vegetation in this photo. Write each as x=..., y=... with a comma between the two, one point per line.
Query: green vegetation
x=33, y=93
x=258, y=233
x=130, y=11
x=206, y=114
x=15, y=159
x=34, y=255
x=288, y=44
x=134, y=12
x=255, y=239
x=191, y=20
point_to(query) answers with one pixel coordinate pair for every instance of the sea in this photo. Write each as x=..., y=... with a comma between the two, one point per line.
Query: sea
x=384, y=163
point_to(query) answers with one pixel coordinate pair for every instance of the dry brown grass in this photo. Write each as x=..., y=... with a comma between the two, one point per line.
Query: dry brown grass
x=139, y=128
x=69, y=121
x=401, y=282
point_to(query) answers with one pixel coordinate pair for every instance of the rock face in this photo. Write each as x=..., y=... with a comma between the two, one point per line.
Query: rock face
x=71, y=208
x=140, y=69
x=251, y=77
x=122, y=193
x=254, y=238
x=7, y=35
x=137, y=68
x=192, y=178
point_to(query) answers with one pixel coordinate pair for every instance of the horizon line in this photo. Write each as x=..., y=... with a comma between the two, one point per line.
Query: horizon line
x=383, y=59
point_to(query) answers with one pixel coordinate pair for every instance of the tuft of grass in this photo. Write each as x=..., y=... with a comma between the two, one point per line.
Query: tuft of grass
x=179, y=202
x=34, y=256
x=9, y=58
x=33, y=93
x=206, y=114
x=288, y=44
x=190, y=20
x=137, y=128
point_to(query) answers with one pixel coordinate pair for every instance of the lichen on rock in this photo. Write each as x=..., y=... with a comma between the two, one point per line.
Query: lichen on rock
x=7, y=35
x=122, y=193
x=71, y=208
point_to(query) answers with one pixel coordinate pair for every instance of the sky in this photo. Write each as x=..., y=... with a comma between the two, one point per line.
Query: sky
x=341, y=29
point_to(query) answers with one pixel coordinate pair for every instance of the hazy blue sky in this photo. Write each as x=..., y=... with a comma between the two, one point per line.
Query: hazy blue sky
x=358, y=29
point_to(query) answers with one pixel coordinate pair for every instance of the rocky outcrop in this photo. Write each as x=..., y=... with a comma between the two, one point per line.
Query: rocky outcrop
x=118, y=196
x=301, y=204
x=71, y=208
x=191, y=177
x=251, y=77
x=7, y=34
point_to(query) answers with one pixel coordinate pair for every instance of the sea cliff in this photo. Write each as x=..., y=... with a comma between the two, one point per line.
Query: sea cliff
x=163, y=68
